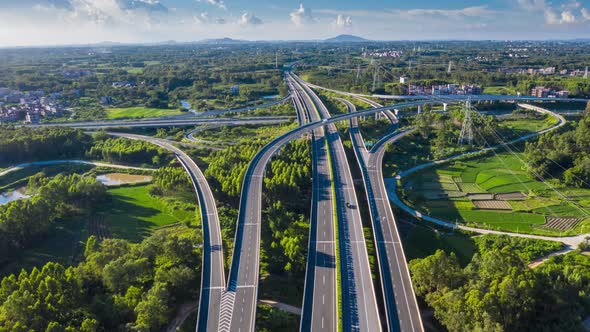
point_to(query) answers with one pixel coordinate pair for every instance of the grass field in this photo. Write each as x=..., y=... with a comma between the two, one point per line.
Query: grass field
x=502, y=173
x=499, y=90
x=139, y=112
x=133, y=213
x=420, y=240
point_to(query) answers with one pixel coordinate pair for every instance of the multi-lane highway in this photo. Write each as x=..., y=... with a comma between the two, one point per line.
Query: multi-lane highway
x=401, y=309
x=359, y=304
x=238, y=304
x=320, y=308
x=212, y=275
x=168, y=122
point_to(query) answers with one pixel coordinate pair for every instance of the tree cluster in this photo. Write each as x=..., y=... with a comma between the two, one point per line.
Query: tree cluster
x=128, y=151
x=286, y=216
x=118, y=287
x=496, y=291
x=22, y=222
x=26, y=144
x=563, y=154
x=171, y=180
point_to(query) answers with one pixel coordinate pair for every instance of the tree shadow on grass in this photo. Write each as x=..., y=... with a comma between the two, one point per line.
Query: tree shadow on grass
x=125, y=218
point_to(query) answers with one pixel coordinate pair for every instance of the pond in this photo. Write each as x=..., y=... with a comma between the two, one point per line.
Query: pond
x=114, y=179
x=10, y=196
x=187, y=105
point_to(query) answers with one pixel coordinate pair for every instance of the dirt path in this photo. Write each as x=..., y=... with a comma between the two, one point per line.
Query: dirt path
x=283, y=306
x=542, y=260
x=185, y=310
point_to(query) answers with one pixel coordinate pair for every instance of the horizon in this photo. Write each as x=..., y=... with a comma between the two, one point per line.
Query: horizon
x=29, y=23
x=214, y=41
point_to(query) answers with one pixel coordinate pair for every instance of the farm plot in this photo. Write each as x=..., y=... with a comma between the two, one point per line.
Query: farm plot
x=480, y=197
x=441, y=194
x=492, y=205
x=469, y=187
x=561, y=224
x=515, y=196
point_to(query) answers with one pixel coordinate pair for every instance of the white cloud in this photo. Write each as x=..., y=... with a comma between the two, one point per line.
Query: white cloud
x=302, y=16
x=567, y=17
x=477, y=11
x=205, y=18
x=249, y=19
x=105, y=11
x=216, y=3
x=553, y=16
x=343, y=21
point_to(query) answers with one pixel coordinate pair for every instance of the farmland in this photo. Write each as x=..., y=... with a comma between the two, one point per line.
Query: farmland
x=497, y=192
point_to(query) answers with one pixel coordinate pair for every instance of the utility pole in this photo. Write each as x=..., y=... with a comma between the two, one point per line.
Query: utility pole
x=375, y=74
x=467, y=128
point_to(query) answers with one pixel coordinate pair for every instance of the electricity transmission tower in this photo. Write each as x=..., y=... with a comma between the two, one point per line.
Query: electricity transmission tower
x=586, y=72
x=375, y=77
x=450, y=66
x=467, y=128
x=358, y=74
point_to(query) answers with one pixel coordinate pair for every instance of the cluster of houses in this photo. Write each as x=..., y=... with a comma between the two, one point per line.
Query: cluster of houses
x=29, y=107
x=543, y=92
x=442, y=89
x=382, y=54
x=541, y=71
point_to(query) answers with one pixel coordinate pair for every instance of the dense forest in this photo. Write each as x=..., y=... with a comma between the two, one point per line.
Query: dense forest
x=23, y=144
x=286, y=210
x=18, y=144
x=497, y=291
x=127, y=151
x=118, y=287
x=23, y=222
x=563, y=154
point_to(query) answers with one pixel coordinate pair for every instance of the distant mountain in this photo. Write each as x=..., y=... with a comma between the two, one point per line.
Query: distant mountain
x=346, y=39
x=224, y=41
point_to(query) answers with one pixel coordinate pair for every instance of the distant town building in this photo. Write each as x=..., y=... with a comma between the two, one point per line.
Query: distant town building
x=540, y=92
x=235, y=90
x=403, y=80
x=123, y=84
x=444, y=89
x=543, y=92
x=30, y=106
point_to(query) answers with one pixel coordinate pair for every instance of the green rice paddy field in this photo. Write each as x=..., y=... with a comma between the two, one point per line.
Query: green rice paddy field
x=430, y=191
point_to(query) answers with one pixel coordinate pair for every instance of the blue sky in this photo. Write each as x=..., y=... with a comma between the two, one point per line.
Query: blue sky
x=52, y=22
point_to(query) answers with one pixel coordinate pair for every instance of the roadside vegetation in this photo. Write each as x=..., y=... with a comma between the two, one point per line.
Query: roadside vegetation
x=529, y=192
x=497, y=291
